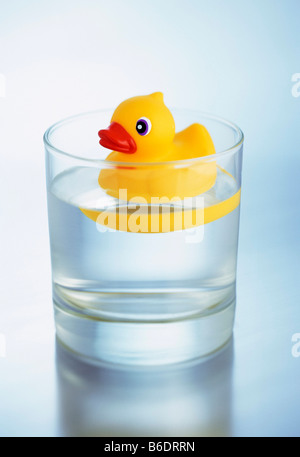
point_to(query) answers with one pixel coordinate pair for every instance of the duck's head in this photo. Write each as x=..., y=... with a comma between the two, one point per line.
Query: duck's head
x=142, y=126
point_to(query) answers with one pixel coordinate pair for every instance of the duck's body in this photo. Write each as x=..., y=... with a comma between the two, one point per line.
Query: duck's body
x=142, y=130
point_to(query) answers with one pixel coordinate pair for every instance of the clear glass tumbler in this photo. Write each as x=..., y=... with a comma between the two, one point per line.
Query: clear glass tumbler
x=143, y=254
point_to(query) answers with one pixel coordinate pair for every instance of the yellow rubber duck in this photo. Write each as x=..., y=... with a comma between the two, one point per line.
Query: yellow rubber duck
x=149, y=161
x=142, y=130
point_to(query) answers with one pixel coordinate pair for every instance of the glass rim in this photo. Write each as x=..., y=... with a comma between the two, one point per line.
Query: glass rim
x=69, y=119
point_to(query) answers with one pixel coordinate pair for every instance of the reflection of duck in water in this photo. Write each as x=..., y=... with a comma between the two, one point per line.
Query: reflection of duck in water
x=142, y=130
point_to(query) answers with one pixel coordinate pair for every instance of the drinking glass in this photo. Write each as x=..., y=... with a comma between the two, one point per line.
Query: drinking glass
x=143, y=255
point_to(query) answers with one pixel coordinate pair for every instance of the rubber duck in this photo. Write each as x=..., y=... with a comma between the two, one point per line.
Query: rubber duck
x=142, y=130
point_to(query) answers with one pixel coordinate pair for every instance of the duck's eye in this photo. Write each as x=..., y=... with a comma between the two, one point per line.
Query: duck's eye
x=143, y=126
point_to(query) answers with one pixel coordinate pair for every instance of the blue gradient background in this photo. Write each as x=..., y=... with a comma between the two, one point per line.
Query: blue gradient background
x=234, y=59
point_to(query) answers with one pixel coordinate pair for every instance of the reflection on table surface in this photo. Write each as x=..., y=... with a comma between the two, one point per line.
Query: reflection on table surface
x=192, y=399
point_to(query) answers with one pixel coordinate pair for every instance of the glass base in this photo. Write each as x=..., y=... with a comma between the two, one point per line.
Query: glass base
x=144, y=343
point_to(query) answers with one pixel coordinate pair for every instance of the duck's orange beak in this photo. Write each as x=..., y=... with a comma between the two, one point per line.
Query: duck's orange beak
x=115, y=137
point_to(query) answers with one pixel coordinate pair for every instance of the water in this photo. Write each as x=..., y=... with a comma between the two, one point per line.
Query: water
x=136, y=297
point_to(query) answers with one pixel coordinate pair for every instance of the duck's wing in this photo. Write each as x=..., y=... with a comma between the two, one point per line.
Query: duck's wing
x=194, y=141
